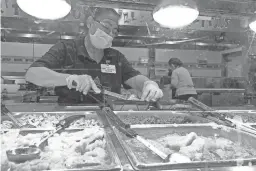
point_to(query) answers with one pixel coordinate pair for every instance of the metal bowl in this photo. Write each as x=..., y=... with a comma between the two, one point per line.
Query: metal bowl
x=20, y=155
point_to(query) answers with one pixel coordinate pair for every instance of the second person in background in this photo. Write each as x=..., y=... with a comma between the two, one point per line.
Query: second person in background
x=181, y=80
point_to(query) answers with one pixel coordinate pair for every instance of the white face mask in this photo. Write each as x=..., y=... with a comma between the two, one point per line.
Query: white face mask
x=101, y=40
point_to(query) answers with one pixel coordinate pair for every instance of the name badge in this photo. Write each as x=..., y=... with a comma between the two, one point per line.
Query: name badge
x=111, y=69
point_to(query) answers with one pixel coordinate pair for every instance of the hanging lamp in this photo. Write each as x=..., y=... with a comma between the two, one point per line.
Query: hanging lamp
x=252, y=24
x=45, y=9
x=175, y=13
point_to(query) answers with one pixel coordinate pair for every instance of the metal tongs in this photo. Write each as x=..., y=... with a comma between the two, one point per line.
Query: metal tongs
x=222, y=117
x=126, y=129
x=23, y=154
x=106, y=92
x=151, y=104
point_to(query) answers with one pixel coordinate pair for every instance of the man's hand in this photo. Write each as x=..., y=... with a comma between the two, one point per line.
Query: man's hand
x=151, y=91
x=84, y=83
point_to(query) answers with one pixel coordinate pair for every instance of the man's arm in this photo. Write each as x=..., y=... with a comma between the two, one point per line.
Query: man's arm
x=45, y=77
x=40, y=72
x=149, y=89
x=131, y=77
x=138, y=82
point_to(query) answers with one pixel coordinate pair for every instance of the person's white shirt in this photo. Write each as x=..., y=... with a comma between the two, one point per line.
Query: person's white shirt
x=182, y=81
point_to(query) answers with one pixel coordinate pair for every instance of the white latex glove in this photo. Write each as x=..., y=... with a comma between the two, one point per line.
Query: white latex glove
x=151, y=91
x=84, y=83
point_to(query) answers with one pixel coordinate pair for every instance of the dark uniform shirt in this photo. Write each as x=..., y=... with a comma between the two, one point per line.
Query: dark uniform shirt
x=71, y=56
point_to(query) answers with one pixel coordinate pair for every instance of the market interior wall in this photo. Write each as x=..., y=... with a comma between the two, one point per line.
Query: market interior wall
x=27, y=50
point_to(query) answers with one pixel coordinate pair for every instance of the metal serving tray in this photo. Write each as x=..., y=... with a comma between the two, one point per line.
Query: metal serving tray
x=156, y=131
x=114, y=162
x=89, y=115
x=159, y=117
x=180, y=117
x=127, y=105
x=84, y=107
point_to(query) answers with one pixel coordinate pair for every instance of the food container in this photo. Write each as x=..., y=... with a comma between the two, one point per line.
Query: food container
x=154, y=132
x=84, y=107
x=179, y=117
x=112, y=160
x=48, y=119
x=128, y=105
x=159, y=117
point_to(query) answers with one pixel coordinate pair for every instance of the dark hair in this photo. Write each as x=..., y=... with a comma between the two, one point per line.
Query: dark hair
x=175, y=62
x=101, y=11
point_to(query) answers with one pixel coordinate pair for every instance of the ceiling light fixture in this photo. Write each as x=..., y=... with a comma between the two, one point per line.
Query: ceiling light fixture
x=252, y=24
x=175, y=13
x=45, y=9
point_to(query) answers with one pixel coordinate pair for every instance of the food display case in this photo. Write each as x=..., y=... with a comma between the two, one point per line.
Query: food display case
x=151, y=124
x=143, y=159
x=101, y=146
x=215, y=46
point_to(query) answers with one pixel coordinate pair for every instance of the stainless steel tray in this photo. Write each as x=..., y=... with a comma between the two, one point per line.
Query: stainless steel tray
x=87, y=107
x=114, y=162
x=179, y=117
x=159, y=117
x=156, y=131
x=89, y=115
x=126, y=105
x=248, y=116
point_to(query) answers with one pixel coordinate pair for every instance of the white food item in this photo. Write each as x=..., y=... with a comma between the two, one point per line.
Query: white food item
x=223, y=143
x=199, y=143
x=179, y=158
x=97, y=152
x=97, y=143
x=175, y=142
x=189, y=139
x=7, y=125
x=196, y=147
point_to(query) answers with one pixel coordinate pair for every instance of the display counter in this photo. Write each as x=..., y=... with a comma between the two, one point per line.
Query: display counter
x=45, y=115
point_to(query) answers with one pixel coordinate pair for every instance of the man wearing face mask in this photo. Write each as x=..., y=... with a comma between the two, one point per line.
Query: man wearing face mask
x=88, y=59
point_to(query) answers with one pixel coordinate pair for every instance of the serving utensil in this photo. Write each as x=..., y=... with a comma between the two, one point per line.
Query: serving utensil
x=125, y=128
x=23, y=154
x=234, y=123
